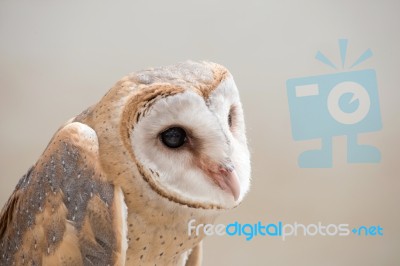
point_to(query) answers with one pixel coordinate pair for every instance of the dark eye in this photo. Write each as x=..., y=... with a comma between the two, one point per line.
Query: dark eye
x=231, y=116
x=173, y=137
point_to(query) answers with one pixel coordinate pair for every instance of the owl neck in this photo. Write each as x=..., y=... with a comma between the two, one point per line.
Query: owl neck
x=158, y=230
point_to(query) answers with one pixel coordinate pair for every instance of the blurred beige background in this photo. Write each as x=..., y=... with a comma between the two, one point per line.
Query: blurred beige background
x=57, y=58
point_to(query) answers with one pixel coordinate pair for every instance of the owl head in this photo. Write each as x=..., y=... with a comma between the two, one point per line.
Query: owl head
x=181, y=132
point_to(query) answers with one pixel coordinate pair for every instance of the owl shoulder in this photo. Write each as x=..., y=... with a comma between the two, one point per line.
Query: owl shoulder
x=64, y=209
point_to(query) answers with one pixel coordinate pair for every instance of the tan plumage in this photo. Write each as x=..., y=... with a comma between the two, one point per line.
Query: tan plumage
x=94, y=198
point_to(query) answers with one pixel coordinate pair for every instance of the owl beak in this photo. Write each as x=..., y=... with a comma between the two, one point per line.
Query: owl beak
x=228, y=181
x=222, y=174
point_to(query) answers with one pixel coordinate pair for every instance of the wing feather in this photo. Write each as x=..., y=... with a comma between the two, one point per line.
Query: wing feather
x=63, y=211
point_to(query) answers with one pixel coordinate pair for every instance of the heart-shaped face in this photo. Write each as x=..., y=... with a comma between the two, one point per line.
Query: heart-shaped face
x=189, y=138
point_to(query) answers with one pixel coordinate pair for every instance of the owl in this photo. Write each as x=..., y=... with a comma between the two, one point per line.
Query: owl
x=118, y=183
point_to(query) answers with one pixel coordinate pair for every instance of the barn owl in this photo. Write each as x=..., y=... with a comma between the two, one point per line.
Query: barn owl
x=118, y=183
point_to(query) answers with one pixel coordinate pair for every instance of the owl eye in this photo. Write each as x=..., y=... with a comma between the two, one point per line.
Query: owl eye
x=230, y=120
x=173, y=137
x=231, y=116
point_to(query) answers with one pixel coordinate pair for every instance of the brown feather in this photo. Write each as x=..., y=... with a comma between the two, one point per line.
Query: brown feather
x=45, y=218
x=196, y=256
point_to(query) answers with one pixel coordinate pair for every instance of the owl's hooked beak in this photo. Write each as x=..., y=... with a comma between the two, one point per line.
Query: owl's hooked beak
x=223, y=175
x=227, y=180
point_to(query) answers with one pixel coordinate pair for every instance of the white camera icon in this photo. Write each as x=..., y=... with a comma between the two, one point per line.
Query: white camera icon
x=324, y=106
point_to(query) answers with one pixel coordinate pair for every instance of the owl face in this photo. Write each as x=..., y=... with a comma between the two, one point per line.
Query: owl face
x=193, y=148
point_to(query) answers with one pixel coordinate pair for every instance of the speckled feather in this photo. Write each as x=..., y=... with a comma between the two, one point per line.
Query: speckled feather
x=62, y=210
x=70, y=208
